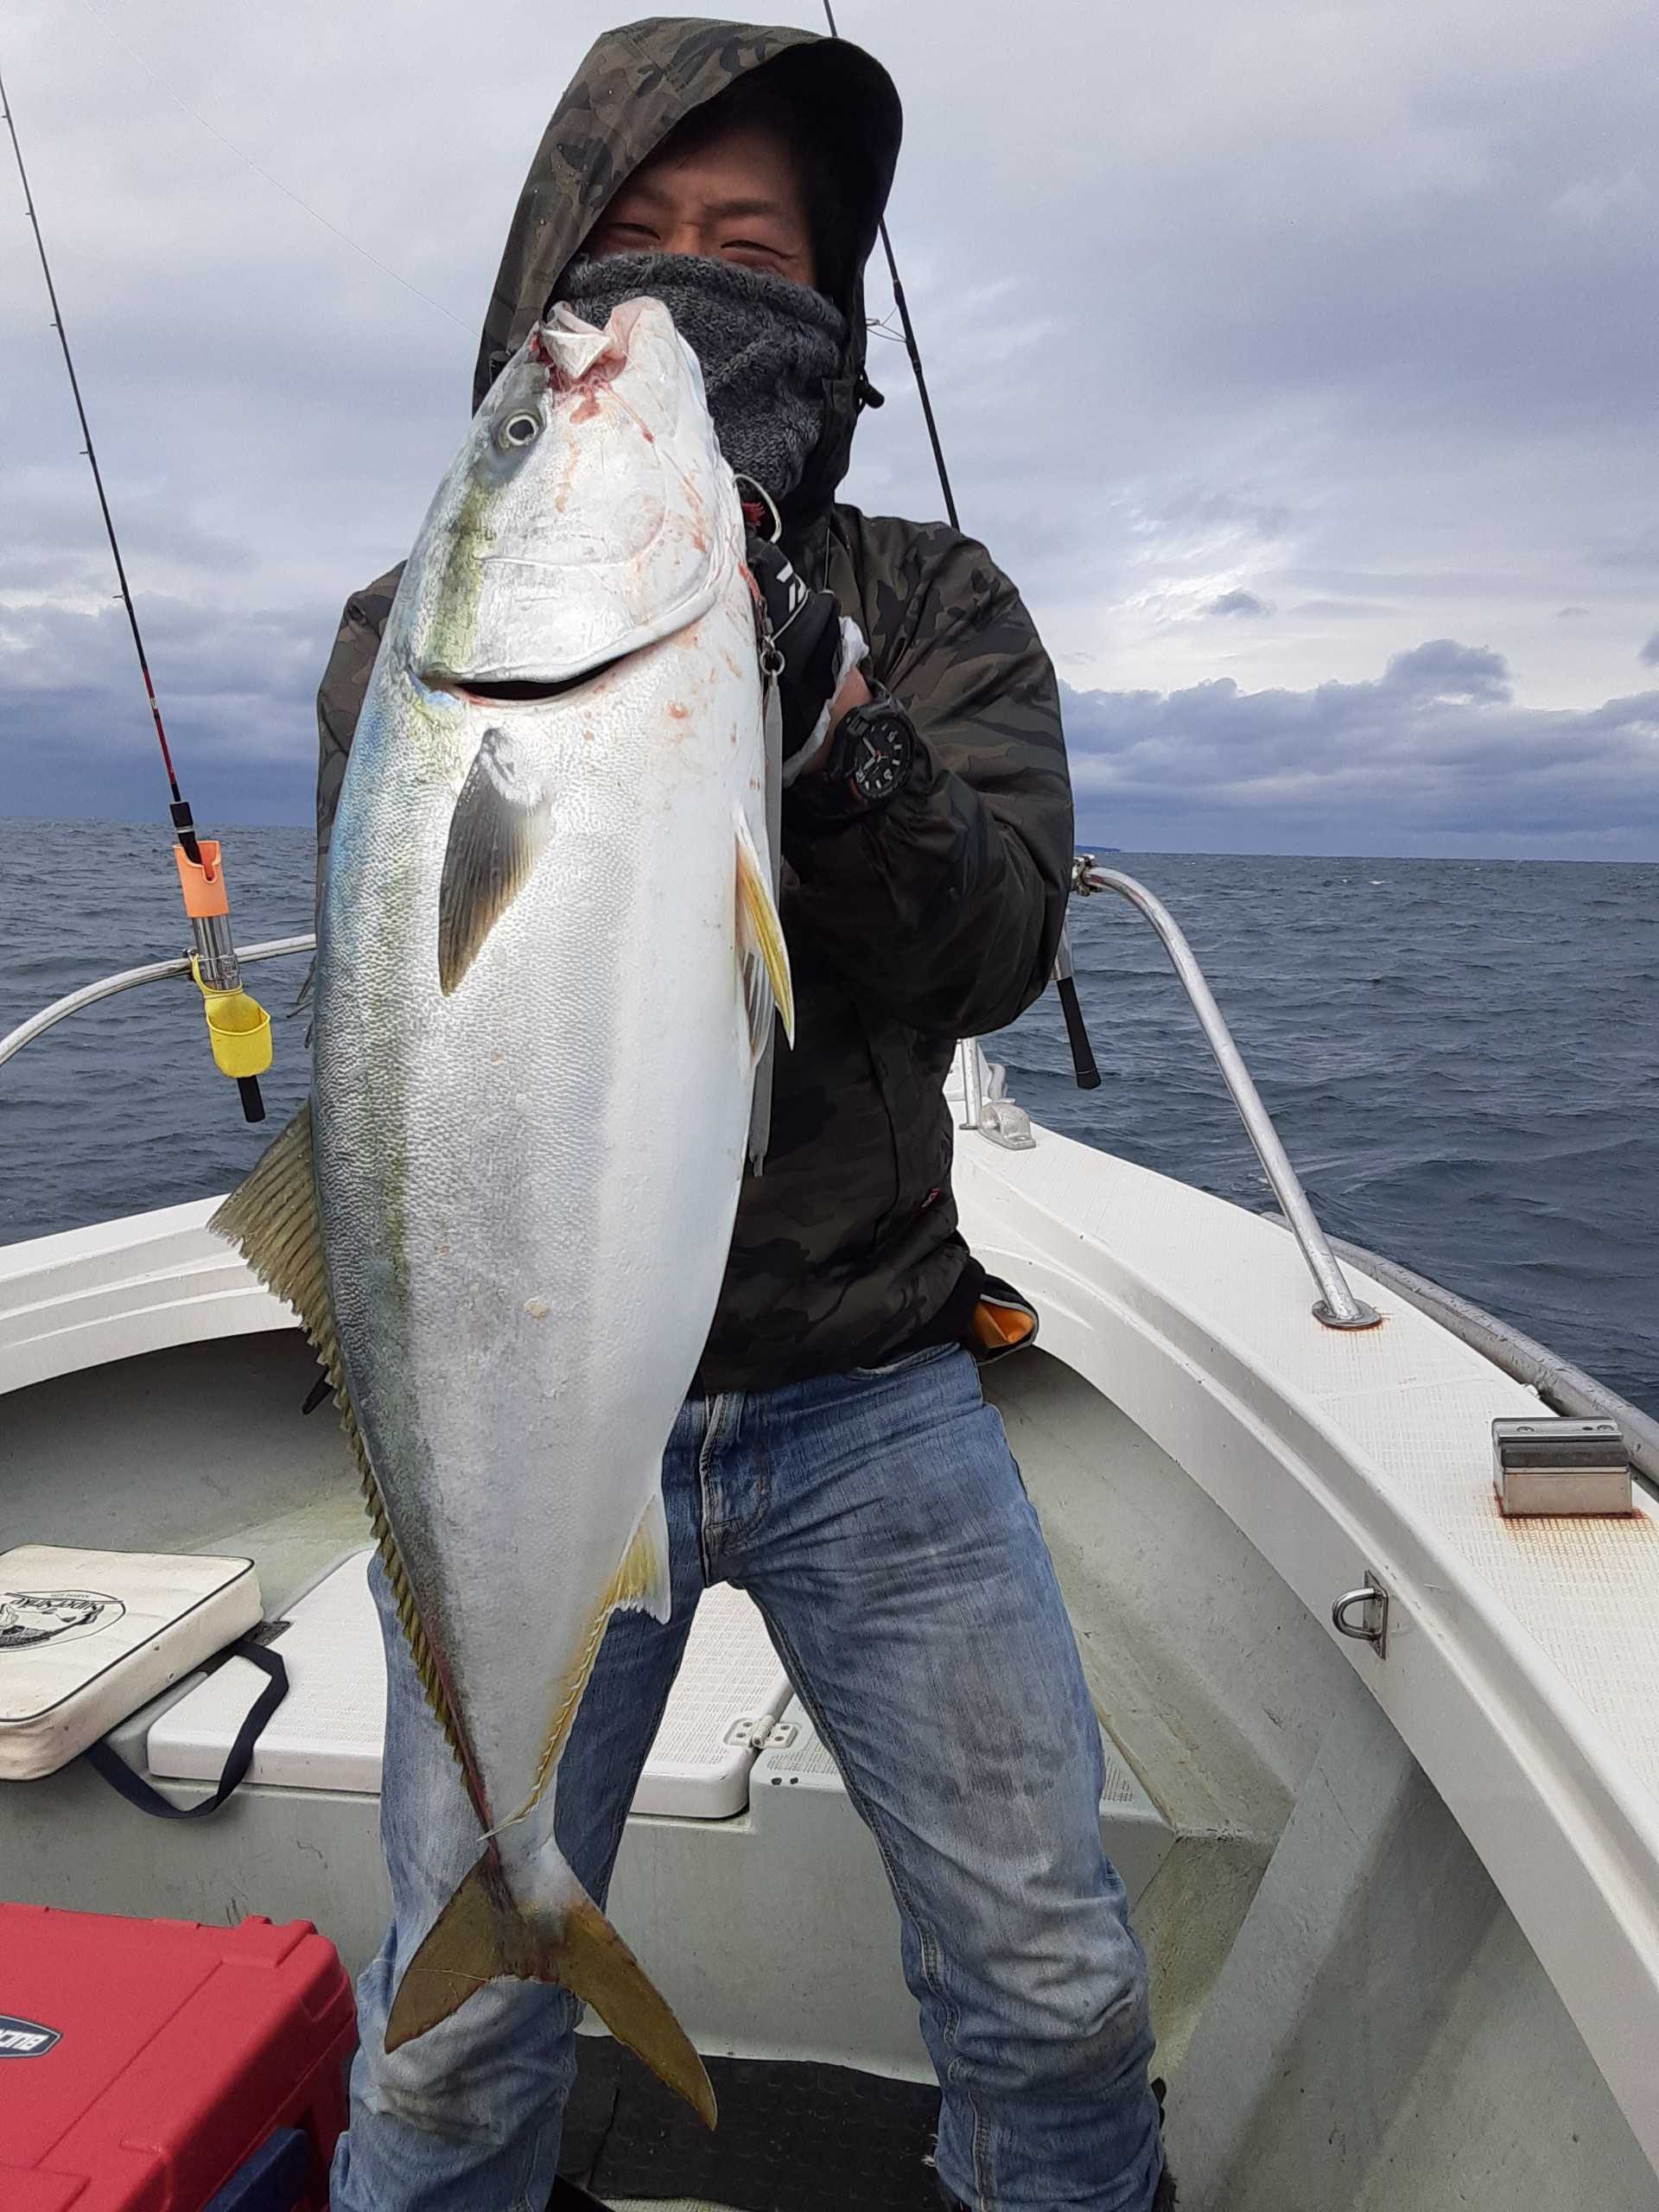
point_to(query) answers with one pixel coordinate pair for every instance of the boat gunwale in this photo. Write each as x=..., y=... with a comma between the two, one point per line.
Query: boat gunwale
x=1567, y=1827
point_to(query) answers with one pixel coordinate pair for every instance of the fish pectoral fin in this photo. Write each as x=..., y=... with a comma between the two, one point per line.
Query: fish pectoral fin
x=761, y=951
x=497, y=834
x=484, y=1933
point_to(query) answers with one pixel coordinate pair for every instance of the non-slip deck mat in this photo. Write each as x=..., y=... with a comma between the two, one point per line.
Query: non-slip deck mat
x=792, y=2137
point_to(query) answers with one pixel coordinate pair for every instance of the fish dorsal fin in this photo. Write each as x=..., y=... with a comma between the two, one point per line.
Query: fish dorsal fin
x=762, y=951
x=497, y=834
x=272, y=1217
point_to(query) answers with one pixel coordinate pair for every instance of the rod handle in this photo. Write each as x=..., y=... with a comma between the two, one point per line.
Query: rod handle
x=253, y=1104
x=1082, y=1059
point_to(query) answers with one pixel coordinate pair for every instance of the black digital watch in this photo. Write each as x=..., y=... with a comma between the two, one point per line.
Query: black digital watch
x=871, y=752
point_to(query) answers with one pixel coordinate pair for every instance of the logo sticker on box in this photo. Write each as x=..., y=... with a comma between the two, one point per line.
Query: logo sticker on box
x=25, y=2038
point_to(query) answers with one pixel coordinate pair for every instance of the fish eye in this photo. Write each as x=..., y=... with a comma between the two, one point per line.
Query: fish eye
x=519, y=430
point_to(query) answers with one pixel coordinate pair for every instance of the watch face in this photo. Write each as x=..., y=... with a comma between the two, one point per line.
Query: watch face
x=883, y=756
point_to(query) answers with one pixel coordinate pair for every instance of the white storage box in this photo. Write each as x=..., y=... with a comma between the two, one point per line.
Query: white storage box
x=327, y=1733
x=87, y=1638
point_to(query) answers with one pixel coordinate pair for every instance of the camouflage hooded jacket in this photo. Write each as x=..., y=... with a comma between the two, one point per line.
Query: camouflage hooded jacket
x=937, y=917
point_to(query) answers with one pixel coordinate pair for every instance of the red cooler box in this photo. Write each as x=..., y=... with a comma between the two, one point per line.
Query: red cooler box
x=147, y=2065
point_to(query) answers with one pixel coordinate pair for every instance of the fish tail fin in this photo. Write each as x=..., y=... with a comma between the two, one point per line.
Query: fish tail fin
x=484, y=1932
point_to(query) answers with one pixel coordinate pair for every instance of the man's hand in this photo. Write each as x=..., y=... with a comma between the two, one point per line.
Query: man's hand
x=821, y=649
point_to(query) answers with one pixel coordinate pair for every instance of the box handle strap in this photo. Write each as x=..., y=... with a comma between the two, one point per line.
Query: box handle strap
x=108, y=1761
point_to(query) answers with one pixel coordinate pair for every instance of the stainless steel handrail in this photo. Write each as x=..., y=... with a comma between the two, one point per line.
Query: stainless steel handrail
x=1337, y=1306
x=156, y=971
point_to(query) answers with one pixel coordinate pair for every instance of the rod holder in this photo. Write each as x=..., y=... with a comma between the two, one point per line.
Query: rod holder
x=1084, y=1073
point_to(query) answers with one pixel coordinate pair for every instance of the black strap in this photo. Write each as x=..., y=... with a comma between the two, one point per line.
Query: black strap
x=104, y=1758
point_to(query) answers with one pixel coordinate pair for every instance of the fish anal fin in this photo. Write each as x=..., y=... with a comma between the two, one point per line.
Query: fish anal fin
x=497, y=834
x=644, y=1580
x=272, y=1217
x=761, y=951
x=642, y=1583
x=483, y=1932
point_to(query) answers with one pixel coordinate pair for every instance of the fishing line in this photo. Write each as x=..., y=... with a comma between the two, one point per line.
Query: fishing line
x=238, y=1027
x=1085, y=1071
x=910, y=347
x=287, y=191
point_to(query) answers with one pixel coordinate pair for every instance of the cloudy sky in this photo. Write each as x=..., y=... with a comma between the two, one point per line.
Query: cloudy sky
x=1300, y=361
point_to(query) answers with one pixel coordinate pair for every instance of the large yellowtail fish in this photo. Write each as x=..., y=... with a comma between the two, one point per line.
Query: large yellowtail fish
x=548, y=965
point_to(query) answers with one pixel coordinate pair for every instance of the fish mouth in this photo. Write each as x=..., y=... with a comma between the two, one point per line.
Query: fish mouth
x=517, y=691
x=486, y=691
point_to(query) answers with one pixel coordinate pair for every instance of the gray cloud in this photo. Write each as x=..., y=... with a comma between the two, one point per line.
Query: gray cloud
x=1649, y=652
x=1344, y=610
x=1638, y=550
x=1434, y=753
x=1238, y=602
x=1208, y=506
x=1443, y=669
x=1396, y=387
x=236, y=693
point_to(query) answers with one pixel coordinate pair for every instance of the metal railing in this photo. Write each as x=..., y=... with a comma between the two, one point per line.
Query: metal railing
x=1337, y=1306
x=155, y=971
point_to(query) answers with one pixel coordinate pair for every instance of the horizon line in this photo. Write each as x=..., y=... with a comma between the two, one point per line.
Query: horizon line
x=1083, y=841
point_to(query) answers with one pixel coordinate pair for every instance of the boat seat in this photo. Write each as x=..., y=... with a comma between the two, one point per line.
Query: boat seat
x=327, y=1734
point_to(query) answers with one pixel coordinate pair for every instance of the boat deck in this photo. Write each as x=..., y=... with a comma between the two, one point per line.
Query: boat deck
x=1211, y=1469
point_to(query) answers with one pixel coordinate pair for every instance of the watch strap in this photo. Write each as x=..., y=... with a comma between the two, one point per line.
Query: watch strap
x=838, y=794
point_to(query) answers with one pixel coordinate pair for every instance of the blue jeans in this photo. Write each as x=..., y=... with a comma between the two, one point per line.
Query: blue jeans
x=879, y=1521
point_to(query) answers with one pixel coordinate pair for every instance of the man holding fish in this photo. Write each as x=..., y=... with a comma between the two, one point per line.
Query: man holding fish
x=588, y=1362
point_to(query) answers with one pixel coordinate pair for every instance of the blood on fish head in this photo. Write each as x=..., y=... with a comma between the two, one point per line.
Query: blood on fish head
x=590, y=512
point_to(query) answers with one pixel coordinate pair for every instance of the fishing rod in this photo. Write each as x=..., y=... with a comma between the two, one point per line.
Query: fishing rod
x=238, y=1028
x=910, y=347
x=1085, y=1073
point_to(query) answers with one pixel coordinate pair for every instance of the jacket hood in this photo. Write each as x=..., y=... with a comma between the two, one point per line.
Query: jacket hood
x=636, y=85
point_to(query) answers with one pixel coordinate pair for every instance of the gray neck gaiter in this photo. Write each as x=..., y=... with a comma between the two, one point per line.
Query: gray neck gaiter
x=766, y=347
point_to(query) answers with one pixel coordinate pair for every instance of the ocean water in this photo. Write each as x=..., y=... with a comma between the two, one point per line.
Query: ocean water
x=1462, y=1057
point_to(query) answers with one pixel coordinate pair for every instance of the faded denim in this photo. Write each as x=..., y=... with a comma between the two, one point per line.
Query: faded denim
x=879, y=1521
